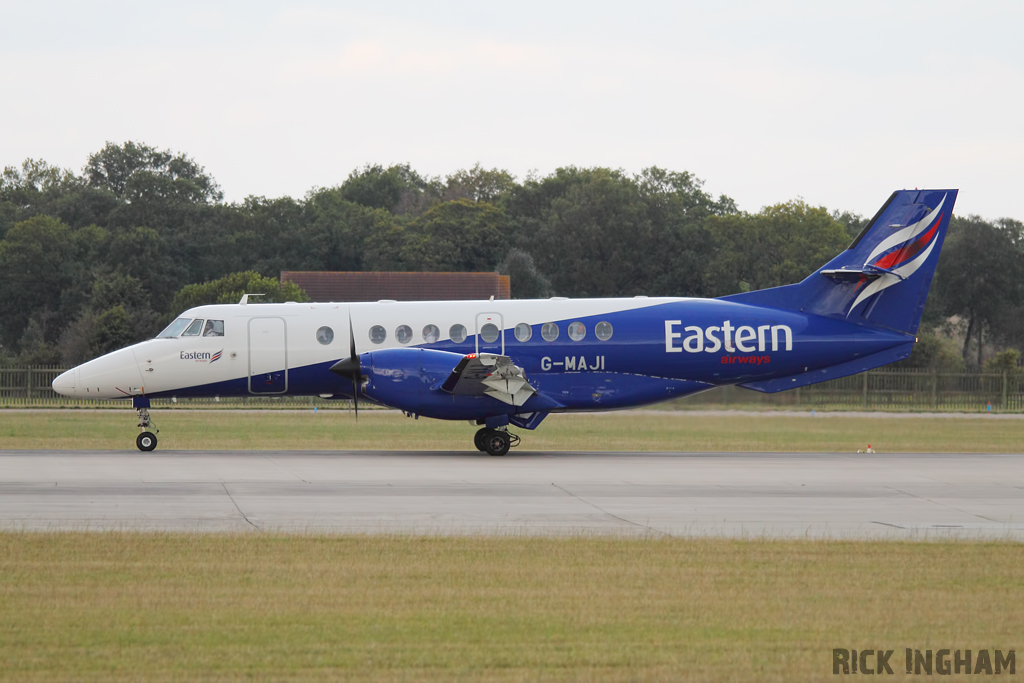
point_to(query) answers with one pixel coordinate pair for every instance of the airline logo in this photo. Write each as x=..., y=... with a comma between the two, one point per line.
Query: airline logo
x=901, y=254
x=745, y=338
x=202, y=356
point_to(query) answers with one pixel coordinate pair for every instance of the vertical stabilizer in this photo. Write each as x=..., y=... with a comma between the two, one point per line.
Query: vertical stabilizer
x=884, y=276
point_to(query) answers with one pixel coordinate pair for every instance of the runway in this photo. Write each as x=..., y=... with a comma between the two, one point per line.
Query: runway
x=651, y=494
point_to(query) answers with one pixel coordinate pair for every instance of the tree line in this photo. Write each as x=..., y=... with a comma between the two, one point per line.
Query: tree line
x=97, y=259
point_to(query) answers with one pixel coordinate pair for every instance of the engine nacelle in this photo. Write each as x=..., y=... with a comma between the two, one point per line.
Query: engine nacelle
x=411, y=379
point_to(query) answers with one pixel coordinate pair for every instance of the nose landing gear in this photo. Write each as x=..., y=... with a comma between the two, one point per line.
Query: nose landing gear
x=146, y=441
x=495, y=441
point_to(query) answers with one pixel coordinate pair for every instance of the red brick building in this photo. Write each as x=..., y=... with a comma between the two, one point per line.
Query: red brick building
x=361, y=286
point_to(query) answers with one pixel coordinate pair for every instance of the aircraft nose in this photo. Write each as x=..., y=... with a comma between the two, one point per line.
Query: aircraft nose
x=114, y=375
x=64, y=384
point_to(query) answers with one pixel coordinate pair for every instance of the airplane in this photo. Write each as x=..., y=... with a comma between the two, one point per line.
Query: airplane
x=511, y=363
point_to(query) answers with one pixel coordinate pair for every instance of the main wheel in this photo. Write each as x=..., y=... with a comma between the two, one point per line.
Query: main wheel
x=146, y=441
x=478, y=439
x=497, y=443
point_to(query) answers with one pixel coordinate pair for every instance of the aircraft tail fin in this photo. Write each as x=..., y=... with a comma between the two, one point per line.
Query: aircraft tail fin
x=884, y=276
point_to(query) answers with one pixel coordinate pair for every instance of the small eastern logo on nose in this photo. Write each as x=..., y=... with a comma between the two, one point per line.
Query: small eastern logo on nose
x=216, y=356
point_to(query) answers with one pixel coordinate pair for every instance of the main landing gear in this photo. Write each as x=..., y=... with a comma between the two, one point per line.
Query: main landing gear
x=495, y=441
x=146, y=441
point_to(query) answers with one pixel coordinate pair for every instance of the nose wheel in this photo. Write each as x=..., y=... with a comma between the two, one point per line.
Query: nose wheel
x=494, y=441
x=146, y=441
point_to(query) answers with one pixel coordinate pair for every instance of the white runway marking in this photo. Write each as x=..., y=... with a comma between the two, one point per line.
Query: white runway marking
x=677, y=494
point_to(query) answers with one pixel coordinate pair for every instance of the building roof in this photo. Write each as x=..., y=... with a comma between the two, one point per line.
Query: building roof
x=364, y=286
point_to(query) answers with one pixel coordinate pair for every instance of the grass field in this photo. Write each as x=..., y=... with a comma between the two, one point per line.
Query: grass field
x=140, y=607
x=624, y=431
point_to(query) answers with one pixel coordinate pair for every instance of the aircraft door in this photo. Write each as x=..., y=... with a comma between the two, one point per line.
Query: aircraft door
x=268, y=356
x=490, y=333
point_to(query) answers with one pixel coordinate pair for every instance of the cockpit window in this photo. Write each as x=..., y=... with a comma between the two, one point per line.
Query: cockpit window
x=175, y=328
x=194, y=329
x=214, y=328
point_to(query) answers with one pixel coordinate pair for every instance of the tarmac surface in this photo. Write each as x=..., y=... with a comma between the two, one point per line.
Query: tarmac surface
x=929, y=495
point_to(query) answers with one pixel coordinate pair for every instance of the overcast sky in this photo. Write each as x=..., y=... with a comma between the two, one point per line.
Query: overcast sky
x=837, y=103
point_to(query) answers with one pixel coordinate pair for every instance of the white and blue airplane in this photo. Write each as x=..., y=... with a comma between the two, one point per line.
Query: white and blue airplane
x=500, y=364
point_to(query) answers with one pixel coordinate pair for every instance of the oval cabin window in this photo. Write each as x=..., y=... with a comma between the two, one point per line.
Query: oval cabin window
x=378, y=335
x=457, y=333
x=603, y=331
x=577, y=331
x=524, y=332
x=489, y=333
x=431, y=334
x=549, y=331
x=403, y=334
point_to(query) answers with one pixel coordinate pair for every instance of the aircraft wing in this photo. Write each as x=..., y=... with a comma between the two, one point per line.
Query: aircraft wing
x=491, y=375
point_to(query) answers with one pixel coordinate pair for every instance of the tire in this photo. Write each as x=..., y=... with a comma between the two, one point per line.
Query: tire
x=497, y=443
x=146, y=441
x=478, y=439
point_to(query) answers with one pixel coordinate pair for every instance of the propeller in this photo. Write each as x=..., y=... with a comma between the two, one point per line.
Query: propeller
x=349, y=367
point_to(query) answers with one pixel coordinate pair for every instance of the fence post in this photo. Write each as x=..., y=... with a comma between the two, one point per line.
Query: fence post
x=28, y=384
x=865, y=390
x=935, y=389
x=797, y=392
x=1003, y=405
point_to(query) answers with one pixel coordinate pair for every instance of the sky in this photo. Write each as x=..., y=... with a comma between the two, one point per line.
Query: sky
x=837, y=104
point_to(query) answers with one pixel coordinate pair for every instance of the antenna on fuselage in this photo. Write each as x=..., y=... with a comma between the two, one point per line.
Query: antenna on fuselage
x=245, y=298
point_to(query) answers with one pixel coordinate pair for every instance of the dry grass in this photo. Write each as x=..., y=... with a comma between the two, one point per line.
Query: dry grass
x=132, y=606
x=627, y=431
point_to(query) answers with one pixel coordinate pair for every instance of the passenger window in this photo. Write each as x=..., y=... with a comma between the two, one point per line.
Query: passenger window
x=457, y=333
x=549, y=331
x=325, y=335
x=378, y=334
x=194, y=329
x=431, y=334
x=403, y=334
x=524, y=332
x=577, y=331
x=214, y=328
x=489, y=333
x=175, y=328
x=603, y=330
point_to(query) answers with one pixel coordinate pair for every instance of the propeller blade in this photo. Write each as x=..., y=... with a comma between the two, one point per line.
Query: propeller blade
x=355, y=398
x=356, y=376
x=350, y=367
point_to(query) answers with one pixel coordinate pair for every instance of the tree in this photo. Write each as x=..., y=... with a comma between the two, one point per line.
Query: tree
x=478, y=184
x=229, y=290
x=853, y=222
x=397, y=189
x=455, y=236
x=1007, y=361
x=337, y=231
x=35, y=258
x=932, y=352
x=980, y=276
x=780, y=245
x=599, y=232
x=135, y=171
x=154, y=188
x=112, y=330
x=525, y=281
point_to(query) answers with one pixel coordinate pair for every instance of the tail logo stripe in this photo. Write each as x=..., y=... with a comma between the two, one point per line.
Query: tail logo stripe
x=909, y=250
x=908, y=233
